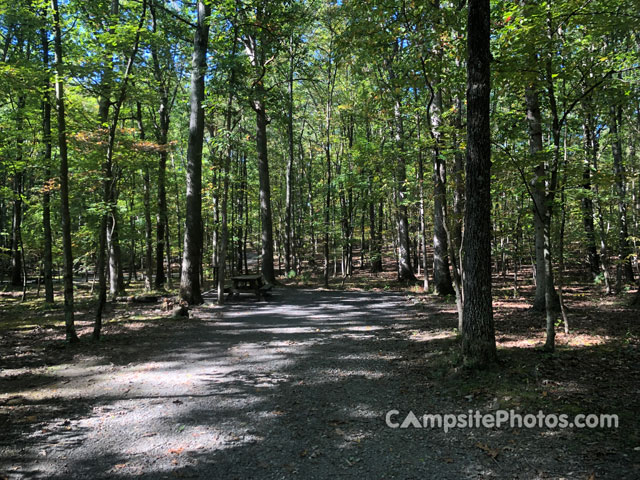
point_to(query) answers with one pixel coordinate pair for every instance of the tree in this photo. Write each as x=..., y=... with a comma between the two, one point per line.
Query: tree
x=258, y=41
x=46, y=197
x=71, y=335
x=192, y=257
x=478, y=337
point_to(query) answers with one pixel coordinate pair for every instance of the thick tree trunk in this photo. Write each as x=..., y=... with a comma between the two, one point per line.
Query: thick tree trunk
x=478, y=337
x=192, y=256
x=64, y=182
x=268, y=271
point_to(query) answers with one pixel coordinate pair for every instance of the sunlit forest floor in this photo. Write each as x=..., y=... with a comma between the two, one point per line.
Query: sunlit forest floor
x=299, y=385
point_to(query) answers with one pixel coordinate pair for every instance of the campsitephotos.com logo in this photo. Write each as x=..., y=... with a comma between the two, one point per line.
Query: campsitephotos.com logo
x=500, y=419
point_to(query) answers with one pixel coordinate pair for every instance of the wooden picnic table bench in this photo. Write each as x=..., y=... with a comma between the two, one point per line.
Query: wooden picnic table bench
x=249, y=284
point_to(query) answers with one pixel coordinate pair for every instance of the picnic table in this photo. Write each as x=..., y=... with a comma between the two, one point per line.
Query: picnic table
x=249, y=284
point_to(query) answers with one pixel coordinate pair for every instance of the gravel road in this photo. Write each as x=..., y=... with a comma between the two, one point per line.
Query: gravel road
x=294, y=387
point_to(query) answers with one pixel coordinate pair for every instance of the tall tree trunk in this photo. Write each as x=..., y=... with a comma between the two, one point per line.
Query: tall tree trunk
x=541, y=214
x=327, y=205
x=226, y=168
x=192, y=257
x=116, y=279
x=240, y=245
x=46, y=196
x=604, y=252
x=551, y=298
x=148, y=230
x=458, y=181
x=132, y=274
x=161, y=133
x=423, y=220
x=148, y=240
x=593, y=259
x=70, y=330
x=289, y=178
x=109, y=194
x=16, y=221
x=104, y=103
x=454, y=226
x=442, y=283
x=478, y=337
x=268, y=271
x=405, y=272
x=624, y=267
x=18, y=180
x=332, y=69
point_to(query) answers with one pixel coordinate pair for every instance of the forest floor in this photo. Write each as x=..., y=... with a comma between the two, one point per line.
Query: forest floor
x=298, y=387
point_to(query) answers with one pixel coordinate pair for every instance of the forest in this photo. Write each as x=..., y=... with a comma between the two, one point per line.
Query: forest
x=463, y=174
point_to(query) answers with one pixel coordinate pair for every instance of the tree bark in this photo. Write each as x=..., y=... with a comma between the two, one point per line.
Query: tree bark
x=624, y=270
x=268, y=271
x=540, y=204
x=161, y=134
x=70, y=330
x=109, y=193
x=442, y=283
x=46, y=196
x=107, y=187
x=226, y=170
x=288, y=177
x=478, y=337
x=423, y=220
x=593, y=259
x=146, y=181
x=593, y=149
x=16, y=219
x=192, y=256
x=18, y=181
x=240, y=244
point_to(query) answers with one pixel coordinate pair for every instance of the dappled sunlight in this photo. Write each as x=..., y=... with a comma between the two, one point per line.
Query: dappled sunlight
x=294, y=385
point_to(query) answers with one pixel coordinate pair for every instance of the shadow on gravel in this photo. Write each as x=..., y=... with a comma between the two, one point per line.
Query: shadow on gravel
x=298, y=386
